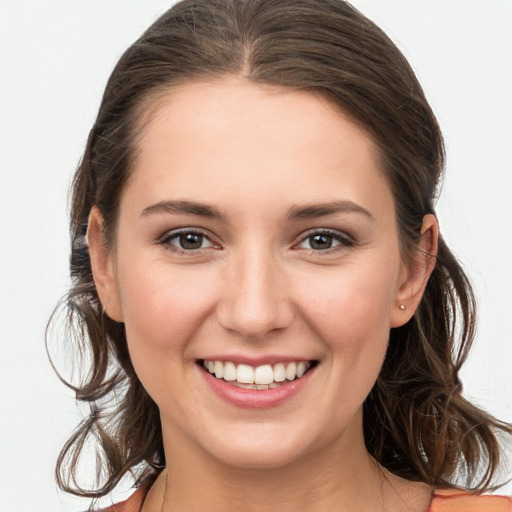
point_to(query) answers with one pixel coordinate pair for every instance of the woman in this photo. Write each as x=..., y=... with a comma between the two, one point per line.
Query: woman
x=272, y=318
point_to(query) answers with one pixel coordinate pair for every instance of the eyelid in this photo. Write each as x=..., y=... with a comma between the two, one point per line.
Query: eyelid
x=346, y=241
x=169, y=235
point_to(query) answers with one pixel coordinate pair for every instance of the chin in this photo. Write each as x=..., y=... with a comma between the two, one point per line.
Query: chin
x=259, y=458
x=263, y=448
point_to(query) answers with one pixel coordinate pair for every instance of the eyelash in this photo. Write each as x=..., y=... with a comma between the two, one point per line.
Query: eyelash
x=167, y=239
x=344, y=240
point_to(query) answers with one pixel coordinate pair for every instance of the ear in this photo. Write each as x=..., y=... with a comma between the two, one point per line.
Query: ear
x=102, y=265
x=416, y=272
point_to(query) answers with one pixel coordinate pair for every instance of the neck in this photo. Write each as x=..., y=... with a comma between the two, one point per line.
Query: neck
x=342, y=476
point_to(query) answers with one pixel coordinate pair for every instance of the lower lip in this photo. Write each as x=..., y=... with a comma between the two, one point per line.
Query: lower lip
x=255, y=398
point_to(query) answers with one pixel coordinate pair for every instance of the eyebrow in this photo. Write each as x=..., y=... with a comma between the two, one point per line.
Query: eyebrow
x=311, y=211
x=314, y=211
x=186, y=207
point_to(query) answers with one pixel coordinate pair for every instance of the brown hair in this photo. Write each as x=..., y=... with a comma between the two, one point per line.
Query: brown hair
x=416, y=421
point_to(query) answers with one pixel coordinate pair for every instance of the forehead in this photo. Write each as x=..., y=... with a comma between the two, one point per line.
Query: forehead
x=213, y=107
x=231, y=138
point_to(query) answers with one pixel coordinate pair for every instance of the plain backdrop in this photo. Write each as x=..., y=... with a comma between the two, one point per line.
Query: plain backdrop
x=55, y=57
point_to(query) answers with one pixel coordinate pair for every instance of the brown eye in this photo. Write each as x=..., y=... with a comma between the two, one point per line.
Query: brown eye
x=186, y=240
x=325, y=240
x=320, y=242
x=190, y=241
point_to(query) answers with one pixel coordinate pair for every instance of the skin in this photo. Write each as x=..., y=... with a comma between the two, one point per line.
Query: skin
x=257, y=286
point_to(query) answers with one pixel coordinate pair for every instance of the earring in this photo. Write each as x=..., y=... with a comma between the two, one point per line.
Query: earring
x=402, y=307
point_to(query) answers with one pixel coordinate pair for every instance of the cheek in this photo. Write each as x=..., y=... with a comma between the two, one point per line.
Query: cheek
x=352, y=307
x=163, y=308
x=350, y=313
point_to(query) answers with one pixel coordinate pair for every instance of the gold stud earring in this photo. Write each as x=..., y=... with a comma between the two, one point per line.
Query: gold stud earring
x=402, y=307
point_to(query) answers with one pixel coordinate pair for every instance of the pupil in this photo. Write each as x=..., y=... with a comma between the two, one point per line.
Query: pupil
x=321, y=242
x=191, y=241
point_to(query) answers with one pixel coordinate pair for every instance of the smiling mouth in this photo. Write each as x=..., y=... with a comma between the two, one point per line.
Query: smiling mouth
x=262, y=377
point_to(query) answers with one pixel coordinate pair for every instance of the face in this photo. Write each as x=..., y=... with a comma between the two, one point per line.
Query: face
x=256, y=241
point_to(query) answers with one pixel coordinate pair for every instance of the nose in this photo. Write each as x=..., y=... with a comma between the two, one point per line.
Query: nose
x=255, y=298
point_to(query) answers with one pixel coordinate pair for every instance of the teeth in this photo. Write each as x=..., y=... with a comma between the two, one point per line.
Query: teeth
x=279, y=372
x=260, y=377
x=229, y=371
x=264, y=374
x=219, y=369
x=245, y=374
x=301, y=368
x=251, y=386
x=291, y=371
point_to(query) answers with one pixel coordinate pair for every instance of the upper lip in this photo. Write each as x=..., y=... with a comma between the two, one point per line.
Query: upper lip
x=256, y=361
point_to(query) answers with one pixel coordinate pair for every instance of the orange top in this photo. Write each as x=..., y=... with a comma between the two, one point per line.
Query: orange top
x=132, y=504
x=443, y=501
x=460, y=501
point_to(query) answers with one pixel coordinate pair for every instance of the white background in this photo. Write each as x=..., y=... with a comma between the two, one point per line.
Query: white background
x=55, y=57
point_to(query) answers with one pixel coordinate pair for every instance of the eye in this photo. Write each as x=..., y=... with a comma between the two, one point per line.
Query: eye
x=324, y=240
x=186, y=241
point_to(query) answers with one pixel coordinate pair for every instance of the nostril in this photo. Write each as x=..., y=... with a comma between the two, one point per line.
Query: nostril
x=255, y=304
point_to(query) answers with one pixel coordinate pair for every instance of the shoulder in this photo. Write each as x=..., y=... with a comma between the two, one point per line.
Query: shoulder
x=460, y=501
x=443, y=501
x=132, y=504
